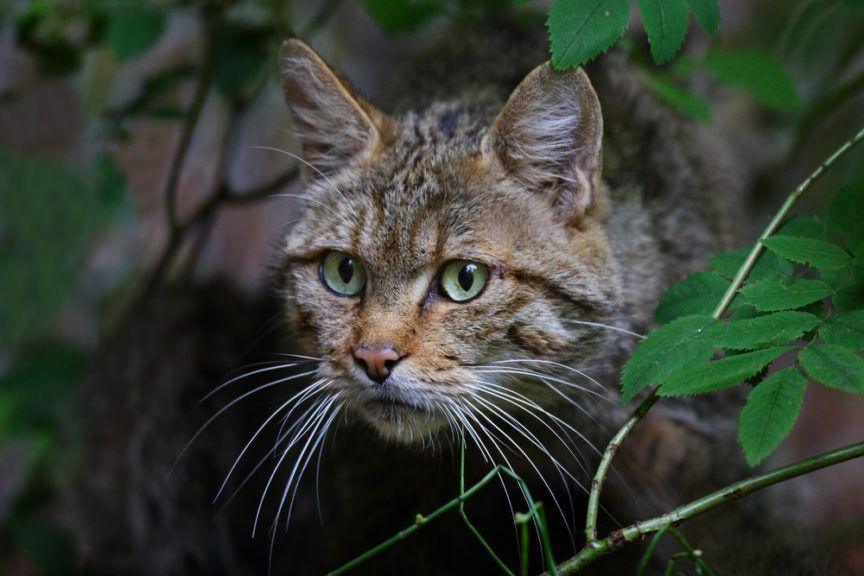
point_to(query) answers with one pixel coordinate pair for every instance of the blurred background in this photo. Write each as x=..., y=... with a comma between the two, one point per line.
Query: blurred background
x=136, y=153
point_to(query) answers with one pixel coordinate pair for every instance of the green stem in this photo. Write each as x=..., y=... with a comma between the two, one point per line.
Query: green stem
x=598, y=549
x=725, y=301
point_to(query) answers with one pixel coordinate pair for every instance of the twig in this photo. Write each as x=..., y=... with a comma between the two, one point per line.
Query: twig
x=202, y=89
x=725, y=301
x=614, y=541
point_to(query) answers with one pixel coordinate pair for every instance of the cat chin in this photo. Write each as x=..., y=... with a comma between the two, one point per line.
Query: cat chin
x=403, y=425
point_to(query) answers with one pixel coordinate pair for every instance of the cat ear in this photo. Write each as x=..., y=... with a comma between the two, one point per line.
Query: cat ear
x=333, y=124
x=549, y=137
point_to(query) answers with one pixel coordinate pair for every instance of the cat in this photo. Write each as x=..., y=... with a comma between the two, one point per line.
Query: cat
x=477, y=262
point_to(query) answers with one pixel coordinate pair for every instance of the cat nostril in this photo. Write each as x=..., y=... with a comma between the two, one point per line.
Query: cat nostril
x=377, y=361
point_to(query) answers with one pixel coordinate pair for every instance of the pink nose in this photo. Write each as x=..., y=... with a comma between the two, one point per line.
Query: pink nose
x=377, y=360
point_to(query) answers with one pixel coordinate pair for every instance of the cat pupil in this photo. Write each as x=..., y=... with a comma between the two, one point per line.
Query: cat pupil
x=466, y=276
x=346, y=270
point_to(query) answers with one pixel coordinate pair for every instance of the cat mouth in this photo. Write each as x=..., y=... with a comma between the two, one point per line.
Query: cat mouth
x=390, y=408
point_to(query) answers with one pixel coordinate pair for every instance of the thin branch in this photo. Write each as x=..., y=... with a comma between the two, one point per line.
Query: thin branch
x=636, y=531
x=202, y=89
x=725, y=301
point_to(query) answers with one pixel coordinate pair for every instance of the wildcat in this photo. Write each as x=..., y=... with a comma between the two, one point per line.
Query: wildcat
x=478, y=261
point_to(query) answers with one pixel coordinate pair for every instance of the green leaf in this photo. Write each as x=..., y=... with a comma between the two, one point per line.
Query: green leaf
x=698, y=293
x=579, y=30
x=768, y=265
x=834, y=366
x=770, y=413
x=846, y=212
x=804, y=227
x=664, y=351
x=770, y=330
x=844, y=330
x=755, y=72
x=47, y=546
x=711, y=376
x=770, y=295
x=133, y=29
x=684, y=101
x=665, y=22
x=816, y=253
x=395, y=16
x=848, y=285
x=707, y=13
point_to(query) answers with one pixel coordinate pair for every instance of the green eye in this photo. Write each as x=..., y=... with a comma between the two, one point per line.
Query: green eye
x=343, y=273
x=462, y=280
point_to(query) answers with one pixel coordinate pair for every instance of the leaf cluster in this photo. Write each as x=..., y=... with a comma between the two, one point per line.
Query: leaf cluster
x=803, y=300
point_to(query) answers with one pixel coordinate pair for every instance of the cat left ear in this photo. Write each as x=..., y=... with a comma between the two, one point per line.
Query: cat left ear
x=333, y=124
x=549, y=137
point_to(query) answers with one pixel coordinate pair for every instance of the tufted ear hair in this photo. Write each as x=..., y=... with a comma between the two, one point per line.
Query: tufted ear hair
x=548, y=136
x=333, y=124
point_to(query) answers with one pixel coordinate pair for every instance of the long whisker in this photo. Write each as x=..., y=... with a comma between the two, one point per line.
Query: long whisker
x=280, y=366
x=607, y=326
x=303, y=394
x=525, y=372
x=557, y=364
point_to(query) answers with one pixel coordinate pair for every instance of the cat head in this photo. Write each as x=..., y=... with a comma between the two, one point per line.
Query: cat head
x=445, y=257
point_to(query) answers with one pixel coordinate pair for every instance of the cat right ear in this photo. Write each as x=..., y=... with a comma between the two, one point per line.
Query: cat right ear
x=334, y=126
x=548, y=137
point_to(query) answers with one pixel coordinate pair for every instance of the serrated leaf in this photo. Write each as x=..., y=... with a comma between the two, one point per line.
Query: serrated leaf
x=684, y=101
x=132, y=30
x=579, y=30
x=770, y=413
x=664, y=351
x=804, y=227
x=834, y=366
x=844, y=330
x=768, y=265
x=846, y=212
x=770, y=295
x=718, y=374
x=770, y=330
x=816, y=253
x=698, y=293
x=755, y=72
x=665, y=22
x=707, y=12
x=848, y=287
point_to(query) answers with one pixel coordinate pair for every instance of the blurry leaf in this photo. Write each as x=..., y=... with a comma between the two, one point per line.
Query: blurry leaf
x=755, y=72
x=39, y=378
x=768, y=265
x=707, y=12
x=396, y=16
x=844, y=330
x=689, y=103
x=698, y=293
x=770, y=413
x=48, y=215
x=834, y=366
x=846, y=212
x=133, y=29
x=857, y=5
x=816, y=253
x=770, y=294
x=770, y=330
x=241, y=53
x=111, y=182
x=718, y=374
x=665, y=22
x=582, y=29
x=664, y=351
x=47, y=546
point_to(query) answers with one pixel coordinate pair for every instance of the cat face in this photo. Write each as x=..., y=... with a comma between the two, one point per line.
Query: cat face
x=441, y=260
